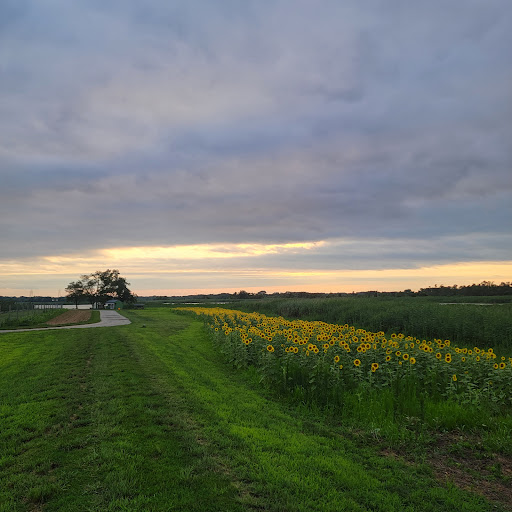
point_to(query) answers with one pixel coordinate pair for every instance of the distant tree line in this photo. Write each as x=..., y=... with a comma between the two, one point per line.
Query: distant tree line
x=485, y=288
x=7, y=303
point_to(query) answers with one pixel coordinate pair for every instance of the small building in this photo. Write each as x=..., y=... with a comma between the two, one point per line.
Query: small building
x=113, y=304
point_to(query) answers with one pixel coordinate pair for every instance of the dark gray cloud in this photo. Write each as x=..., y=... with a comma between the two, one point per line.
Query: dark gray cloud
x=156, y=123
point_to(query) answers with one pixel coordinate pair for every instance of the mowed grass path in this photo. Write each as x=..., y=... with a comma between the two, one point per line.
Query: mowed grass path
x=153, y=419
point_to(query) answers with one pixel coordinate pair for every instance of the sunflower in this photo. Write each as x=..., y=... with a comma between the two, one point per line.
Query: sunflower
x=270, y=348
x=336, y=359
x=357, y=362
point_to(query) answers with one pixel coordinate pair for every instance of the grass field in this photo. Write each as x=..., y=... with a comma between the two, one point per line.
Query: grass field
x=153, y=418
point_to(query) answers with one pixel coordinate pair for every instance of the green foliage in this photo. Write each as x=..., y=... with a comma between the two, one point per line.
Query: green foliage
x=465, y=325
x=28, y=318
x=75, y=291
x=7, y=304
x=364, y=378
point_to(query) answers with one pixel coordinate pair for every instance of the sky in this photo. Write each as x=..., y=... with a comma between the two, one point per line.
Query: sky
x=284, y=145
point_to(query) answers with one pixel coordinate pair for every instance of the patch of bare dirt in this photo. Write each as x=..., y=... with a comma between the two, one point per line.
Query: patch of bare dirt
x=465, y=475
x=73, y=316
x=488, y=474
x=469, y=467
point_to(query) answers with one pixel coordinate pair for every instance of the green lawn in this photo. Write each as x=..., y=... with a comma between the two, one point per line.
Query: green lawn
x=151, y=418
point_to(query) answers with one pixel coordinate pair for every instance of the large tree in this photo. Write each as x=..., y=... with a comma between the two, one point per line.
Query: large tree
x=101, y=286
x=75, y=292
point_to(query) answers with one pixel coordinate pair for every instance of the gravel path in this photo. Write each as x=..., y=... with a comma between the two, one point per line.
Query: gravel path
x=108, y=318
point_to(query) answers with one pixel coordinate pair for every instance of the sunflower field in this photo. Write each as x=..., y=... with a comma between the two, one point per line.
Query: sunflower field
x=339, y=365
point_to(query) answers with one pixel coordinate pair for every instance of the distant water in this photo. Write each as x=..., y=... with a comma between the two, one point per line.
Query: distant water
x=470, y=303
x=188, y=303
x=64, y=306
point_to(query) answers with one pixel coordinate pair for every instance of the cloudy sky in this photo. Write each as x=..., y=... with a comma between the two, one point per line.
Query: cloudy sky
x=200, y=145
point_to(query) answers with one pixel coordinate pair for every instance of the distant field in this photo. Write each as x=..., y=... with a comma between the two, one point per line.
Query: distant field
x=153, y=417
x=47, y=318
x=27, y=318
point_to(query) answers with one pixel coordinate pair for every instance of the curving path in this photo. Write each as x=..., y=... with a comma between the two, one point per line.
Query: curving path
x=108, y=318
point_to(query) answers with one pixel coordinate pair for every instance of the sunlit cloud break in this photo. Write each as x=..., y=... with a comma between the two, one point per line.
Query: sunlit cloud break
x=205, y=251
x=134, y=257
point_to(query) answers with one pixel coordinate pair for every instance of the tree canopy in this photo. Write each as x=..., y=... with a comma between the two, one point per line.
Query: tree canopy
x=99, y=287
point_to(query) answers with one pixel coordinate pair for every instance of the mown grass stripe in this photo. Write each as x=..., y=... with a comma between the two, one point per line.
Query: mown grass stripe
x=104, y=439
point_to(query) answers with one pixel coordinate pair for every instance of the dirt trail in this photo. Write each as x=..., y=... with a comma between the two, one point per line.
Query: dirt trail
x=73, y=316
